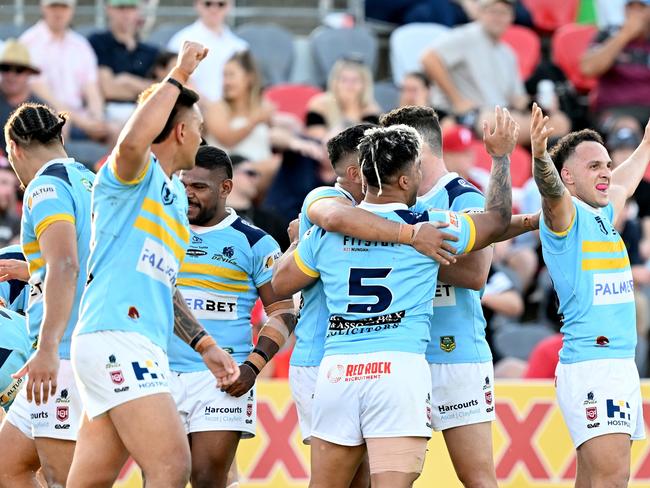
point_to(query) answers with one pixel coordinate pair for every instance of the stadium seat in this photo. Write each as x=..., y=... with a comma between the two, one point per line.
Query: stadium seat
x=567, y=47
x=86, y=29
x=291, y=98
x=549, y=15
x=516, y=340
x=11, y=30
x=387, y=95
x=407, y=44
x=520, y=163
x=329, y=45
x=161, y=35
x=272, y=48
x=527, y=46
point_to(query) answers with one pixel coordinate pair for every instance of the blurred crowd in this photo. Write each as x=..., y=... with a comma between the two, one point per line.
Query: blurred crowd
x=279, y=155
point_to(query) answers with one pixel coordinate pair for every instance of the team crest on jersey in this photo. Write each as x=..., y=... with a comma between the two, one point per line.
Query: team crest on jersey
x=226, y=255
x=447, y=343
x=167, y=195
x=87, y=184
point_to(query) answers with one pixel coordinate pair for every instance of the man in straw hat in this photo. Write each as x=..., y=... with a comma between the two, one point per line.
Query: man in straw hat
x=15, y=70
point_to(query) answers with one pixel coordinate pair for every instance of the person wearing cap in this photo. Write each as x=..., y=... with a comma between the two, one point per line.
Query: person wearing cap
x=124, y=61
x=68, y=65
x=210, y=29
x=620, y=59
x=16, y=69
x=474, y=70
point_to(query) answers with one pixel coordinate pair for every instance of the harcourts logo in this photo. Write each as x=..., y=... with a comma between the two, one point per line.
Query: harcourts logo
x=618, y=412
x=612, y=288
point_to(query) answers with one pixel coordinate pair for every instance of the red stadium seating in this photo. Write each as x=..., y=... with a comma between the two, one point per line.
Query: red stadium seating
x=549, y=15
x=567, y=47
x=291, y=98
x=520, y=163
x=526, y=45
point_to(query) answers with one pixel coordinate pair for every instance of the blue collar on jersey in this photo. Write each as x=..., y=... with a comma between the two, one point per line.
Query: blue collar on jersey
x=440, y=184
x=53, y=161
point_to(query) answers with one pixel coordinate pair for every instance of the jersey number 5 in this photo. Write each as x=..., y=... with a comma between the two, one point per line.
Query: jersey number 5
x=356, y=288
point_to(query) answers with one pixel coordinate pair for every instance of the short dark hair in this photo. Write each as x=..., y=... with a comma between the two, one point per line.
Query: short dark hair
x=567, y=145
x=346, y=142
x=385, y=151
x=420, y=76
x=186, y=100
x=34, y=123
x=422, y=119
x=211, y=158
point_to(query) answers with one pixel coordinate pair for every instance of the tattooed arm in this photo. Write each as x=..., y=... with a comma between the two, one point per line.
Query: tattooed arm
x=557, y=206
x=500, y=143
x=218, y=361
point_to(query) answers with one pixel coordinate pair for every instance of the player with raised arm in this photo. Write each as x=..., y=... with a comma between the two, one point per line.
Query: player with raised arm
x=597, y=381
x=130, y=304
x=458, y=353
x=43, y=422
x=227, y=267
x=373, y=385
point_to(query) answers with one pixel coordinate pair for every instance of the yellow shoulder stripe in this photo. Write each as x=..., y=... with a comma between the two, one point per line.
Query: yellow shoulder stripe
x=136, y=180
x=47, y=221
x=303, y=267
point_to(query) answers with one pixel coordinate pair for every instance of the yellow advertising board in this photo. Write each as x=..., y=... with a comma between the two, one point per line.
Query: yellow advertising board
x=532, y=447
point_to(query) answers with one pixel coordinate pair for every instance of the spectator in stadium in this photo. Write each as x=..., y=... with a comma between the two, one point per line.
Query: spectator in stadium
x=68, y=68
x=245, y=179
x=9, y=218
x=240, y=121
x=473, y=70
x=124, y=61
x=162, y=65
x=620, y=59
x=348, y=100
x=16, y=69
x=210, y=29
x=414, y=90
x=544, y=358
x=460, y=156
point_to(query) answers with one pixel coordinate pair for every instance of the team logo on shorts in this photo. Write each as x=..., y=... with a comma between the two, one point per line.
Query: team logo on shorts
x=62, y=413
x=488, y=397
x=591, y=413
x=335, y=373
x=249, y=409
x=117, y=377
x=447, y=343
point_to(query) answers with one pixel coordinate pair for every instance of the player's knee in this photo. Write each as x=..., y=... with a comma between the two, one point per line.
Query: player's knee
x=610, y=475
x=481, y=476
x=208, y=475
x=55, y=475
x=175, y=473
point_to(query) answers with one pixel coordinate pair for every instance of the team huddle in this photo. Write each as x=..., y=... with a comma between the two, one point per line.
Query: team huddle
x=126, y=328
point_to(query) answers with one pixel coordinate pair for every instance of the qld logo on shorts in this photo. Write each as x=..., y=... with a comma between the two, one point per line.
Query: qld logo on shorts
x=488, y=397
x=117, y=377
x=62, y=413
x=335, y=374
x=591, y=413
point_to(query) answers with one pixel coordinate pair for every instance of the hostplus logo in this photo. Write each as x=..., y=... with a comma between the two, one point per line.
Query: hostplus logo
x=618, y=413
x=148, y=375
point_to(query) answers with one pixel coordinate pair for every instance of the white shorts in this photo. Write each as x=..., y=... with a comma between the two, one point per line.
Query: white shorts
x=462, y=394
x=59, y=418
x=113, y=367
x=600, y=397
x=203, y=407
x=379, y=394
x=302, y=380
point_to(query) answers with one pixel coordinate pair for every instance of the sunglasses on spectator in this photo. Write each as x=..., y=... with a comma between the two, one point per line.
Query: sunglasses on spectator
x=9, y=68
x=220, y=4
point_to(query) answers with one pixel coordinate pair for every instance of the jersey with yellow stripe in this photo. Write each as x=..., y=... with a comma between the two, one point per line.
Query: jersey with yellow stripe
x=224, y=267
x=140, y=234
x=458, y=325
x=379, y=294
x=312, y=320
x=591, y=273
x=60, y=191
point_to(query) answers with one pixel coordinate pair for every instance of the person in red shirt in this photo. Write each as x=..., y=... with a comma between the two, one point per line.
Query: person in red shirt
x=544, y=358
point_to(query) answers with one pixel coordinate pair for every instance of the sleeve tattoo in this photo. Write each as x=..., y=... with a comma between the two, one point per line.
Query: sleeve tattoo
x=186, y=327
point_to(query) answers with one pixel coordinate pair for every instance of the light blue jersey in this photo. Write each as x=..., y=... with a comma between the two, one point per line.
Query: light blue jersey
x=458, y=325
x=15, y=349
x=312, y=320
x=591, y=274
x=14, y=293
x=140, y=234
x=224, y=267
x=379, y=294
x=60, y=191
